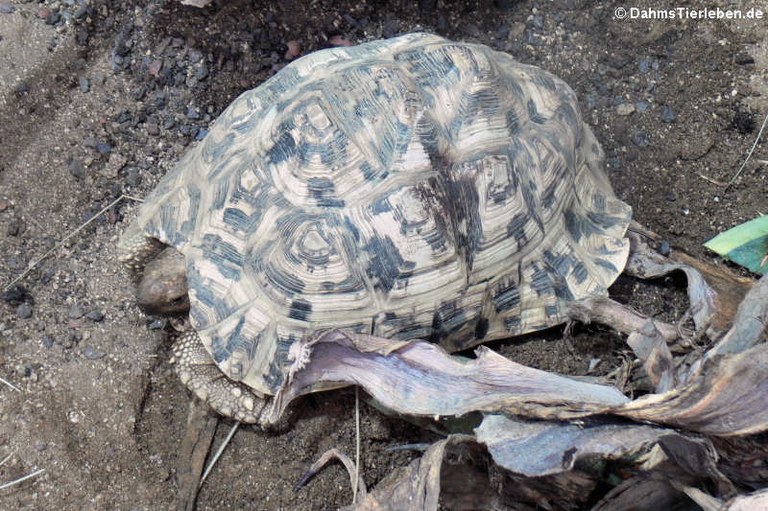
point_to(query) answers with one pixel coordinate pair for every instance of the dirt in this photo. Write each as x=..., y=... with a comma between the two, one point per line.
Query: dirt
x=99, y=99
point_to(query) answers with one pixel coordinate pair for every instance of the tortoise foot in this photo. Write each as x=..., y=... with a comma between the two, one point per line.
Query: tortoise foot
x=201, y=375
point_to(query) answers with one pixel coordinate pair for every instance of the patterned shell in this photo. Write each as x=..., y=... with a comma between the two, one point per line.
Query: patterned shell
x=410, y=188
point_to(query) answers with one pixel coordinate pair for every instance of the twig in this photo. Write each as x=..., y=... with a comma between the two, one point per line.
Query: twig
x=744, y=164
x=6, y=459
x=327, y=456
x=66, y=238
x=22, y=479
x=219, y=452
x=357, y=444
x=14, y=387
x=752, y=150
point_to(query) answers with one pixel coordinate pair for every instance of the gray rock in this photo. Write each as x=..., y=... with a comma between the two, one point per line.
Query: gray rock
x=92, y=353
x=158, y=324
x=201, y=72
x=24, y=311
x=75, y=312
x=77, y=168
x=133, y=177
x=667, y=114
x=625, y=109
x=95, y=315
x=47, y=342
x=15, y=227
x=641, y=139
x=192, y=113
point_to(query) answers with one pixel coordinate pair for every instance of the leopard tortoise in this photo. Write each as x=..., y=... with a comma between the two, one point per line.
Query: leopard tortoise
x=410, y=188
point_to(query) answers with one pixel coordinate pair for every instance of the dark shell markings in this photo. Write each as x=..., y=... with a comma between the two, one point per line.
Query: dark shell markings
x=410, y=188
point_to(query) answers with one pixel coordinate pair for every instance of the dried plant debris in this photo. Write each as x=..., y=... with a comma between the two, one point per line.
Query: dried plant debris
x=459, y=472
x=421, y=379
x=721, y=395
x=575, y=434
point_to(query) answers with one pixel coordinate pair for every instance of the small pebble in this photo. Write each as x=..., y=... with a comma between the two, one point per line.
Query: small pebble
x=124, y=117
x=95, y=315
x=15, y=227
x=153, y=129
x=75, y=312
x=21, y=89
x=642, y=106
x=293, y=51
x=201, y=134
x=154, y=67
x=670, y=196
x=72, y=339
x=625, y=108
x=24, y=311
x=47, y=342
x=158, y=324
x=92, y=353
x=76, y=167
x=613, y=161
x=641, y=139
x=16, y=264
x=665, y=248
x=139, y=92
x=201, y=72
x=133, y=177
x=645, y=65
x=195, y=56
x=192, y=113
x=667, y=114
x=743, y=59
x=103, y=148
x=81, y=12
x=53, y=17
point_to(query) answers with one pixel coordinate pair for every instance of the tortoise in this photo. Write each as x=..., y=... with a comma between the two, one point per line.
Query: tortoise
x=413, y=187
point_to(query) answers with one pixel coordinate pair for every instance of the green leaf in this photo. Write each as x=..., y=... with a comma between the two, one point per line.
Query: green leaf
x=745, y=244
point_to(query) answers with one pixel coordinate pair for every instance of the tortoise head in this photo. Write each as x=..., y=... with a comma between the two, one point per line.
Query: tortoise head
x=162, y=287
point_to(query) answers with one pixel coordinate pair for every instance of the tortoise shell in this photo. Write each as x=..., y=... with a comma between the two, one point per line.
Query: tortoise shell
x=409, y=188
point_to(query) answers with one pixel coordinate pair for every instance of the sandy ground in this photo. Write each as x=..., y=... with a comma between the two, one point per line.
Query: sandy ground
x=100, y=98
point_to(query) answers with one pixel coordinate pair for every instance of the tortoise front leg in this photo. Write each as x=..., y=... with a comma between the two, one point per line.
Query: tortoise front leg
x=136, y=249
x=201, y=375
